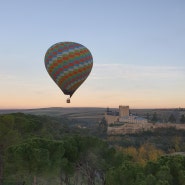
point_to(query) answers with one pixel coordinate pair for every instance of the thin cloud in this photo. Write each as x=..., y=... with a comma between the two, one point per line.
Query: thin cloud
x=6, y=77
x=135, y=72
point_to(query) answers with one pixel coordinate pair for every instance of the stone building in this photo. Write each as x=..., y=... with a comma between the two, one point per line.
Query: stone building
x=123, y=116
x=123, y=111
x=121, y=122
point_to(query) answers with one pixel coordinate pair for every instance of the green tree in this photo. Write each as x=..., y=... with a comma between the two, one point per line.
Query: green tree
x=176, y=165
x=148, y=116
x=8, y=137
x=181, y=177
x=164, y=175
x=162, y=182
x=103, y=125
x=37, y=156
x=71, y=155
x=150, y=179
x=154, y=117
x=91, y=163
x=124, y=171
x=182, y=119
x=172, y=118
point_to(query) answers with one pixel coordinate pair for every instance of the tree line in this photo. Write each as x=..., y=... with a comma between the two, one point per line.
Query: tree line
x=171, y=118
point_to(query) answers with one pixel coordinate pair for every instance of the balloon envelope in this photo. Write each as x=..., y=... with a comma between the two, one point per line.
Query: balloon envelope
x=68, y=64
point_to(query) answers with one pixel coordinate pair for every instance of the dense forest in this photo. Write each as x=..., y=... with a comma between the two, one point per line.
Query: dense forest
x=43, y=150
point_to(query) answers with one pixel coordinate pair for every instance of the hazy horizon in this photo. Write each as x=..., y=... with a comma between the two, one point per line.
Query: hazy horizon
x=90, y=107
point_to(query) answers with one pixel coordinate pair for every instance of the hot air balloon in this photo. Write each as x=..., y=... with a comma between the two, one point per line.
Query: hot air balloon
x=68, y=64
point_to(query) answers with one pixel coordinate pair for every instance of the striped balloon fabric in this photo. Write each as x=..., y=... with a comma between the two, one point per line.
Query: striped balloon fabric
x=68, y=64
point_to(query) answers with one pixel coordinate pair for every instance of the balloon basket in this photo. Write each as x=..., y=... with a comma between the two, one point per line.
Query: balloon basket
x=68, y=100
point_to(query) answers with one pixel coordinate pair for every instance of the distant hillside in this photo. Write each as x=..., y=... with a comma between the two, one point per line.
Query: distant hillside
x=87, y=113
x=95, y=113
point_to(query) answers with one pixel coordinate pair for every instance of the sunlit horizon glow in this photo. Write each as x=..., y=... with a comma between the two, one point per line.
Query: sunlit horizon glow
x=136, y=82
x=137, y=47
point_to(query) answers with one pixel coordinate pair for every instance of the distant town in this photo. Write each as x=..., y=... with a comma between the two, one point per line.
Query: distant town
x=125, y=121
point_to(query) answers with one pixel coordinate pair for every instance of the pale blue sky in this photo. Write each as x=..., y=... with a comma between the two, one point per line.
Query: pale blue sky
x=138, y=48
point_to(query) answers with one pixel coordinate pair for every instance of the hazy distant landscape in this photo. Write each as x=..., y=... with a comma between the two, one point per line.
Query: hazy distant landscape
x=96, y=113
x=58, y=111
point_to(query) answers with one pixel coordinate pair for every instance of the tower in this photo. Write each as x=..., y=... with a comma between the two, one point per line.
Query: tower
x=123, y=111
